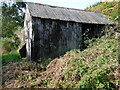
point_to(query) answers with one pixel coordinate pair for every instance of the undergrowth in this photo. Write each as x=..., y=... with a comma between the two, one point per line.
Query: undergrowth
x=11, y=57
x=108, y=8
x=95, y=67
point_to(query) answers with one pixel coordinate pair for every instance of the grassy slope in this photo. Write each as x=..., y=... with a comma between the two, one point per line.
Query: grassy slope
x=110, y=9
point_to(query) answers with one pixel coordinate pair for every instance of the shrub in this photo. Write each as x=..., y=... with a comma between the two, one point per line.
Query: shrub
x=9, y=45
x=107, y=5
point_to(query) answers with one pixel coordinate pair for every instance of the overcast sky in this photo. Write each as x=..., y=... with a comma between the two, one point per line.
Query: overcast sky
x=78, y=4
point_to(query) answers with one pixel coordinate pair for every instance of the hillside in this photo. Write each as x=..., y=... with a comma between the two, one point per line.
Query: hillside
x=95, y=67
x=110, y=9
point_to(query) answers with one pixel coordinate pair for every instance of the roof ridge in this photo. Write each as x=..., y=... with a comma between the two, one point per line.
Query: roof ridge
x=67, y=14
x=62, y=7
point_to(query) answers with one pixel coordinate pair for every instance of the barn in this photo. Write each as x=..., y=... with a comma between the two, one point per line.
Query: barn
x=50, y=31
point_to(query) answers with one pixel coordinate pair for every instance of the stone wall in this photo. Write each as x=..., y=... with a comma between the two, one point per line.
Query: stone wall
x=52, y=38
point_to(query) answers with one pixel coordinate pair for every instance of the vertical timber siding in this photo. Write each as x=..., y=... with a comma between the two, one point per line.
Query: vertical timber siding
x=53, y=37
x=62, y=30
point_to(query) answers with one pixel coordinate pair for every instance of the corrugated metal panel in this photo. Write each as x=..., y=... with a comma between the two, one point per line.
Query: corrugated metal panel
x=67, y=14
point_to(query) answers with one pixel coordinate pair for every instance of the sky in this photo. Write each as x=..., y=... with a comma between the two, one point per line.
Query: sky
x=78, y=4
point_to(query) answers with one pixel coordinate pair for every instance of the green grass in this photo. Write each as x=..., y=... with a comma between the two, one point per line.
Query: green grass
x=11, y=57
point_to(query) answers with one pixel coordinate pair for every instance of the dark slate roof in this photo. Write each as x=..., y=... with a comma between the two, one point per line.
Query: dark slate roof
x=67, y=14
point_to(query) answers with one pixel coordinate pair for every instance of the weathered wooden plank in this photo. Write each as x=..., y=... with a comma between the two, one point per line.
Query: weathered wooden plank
x=56, y=37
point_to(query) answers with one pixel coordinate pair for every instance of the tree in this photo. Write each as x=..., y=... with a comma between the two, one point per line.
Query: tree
x=12, y=18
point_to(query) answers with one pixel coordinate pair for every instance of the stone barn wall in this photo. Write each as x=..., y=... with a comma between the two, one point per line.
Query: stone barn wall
x=52, y=38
